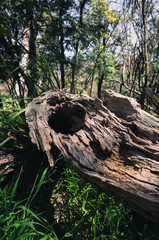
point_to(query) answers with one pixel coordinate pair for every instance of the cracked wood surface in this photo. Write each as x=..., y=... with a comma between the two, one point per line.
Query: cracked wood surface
x=112, y=143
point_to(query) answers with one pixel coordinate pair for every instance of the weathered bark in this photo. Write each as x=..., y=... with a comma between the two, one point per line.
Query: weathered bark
x=10, y=161
x=115, y=146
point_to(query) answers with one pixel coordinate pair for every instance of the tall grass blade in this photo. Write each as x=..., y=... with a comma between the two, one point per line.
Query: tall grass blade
x=4, y=142
x=36, y=187
x=51, y=72
x=17, y=114
x=13, y=191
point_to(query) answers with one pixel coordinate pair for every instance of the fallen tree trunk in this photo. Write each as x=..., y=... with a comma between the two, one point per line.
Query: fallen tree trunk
x=114, y=144
x=12, y=160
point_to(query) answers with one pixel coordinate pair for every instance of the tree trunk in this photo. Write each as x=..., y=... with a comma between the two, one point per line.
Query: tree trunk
x=145, y=10
x=75, y=59
x=155, y=98
x=100, y=85
x=145, y=42
x=114, y=144
x=122, y=76
x=62, y=51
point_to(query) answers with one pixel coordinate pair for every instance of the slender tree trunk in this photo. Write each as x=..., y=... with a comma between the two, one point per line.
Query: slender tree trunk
x=129, y=65
x=145, y=9
x=100, y=85
x=94, y=68
x=75, y=60
x=122, y=77
x=100, y=82
x=92, y=79
x=74, y=68
x=62, y=68
x=145, y=46
x=24, y=59
x=62, y=54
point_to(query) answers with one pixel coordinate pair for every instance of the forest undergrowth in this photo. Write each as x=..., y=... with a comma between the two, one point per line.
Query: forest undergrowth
x=40, y=202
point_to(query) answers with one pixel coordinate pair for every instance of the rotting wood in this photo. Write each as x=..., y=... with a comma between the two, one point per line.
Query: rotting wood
x=12, y=160
x=111, y=142
x=9, y=161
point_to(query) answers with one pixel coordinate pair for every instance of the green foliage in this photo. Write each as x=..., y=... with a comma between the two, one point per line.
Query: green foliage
x=89, y=213
x=17, y=220
x=66, y=45
x=12, y=119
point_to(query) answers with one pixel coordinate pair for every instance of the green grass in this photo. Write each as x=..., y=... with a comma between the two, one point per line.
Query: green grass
x=11, y=119
x=63, y=205
x=89, y=213
x=17, y=220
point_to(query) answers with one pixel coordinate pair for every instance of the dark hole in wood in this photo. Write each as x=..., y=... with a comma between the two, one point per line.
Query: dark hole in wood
x=68, y=119
x=134, y=129
x=98, y=151
x=129, y=163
